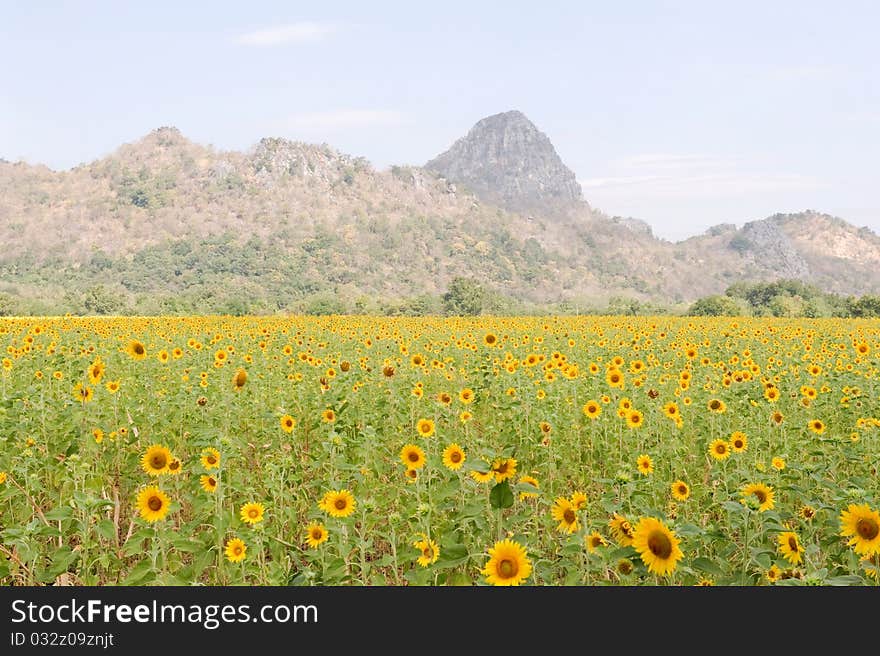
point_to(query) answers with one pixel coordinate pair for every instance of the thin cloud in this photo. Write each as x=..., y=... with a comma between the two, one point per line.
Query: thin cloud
x=795, y=73
x=294, y=33
x=673, y=176
x=341, y=119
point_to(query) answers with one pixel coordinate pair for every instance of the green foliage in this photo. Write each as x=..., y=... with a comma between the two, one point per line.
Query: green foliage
x=713, y=306
x=465, y=297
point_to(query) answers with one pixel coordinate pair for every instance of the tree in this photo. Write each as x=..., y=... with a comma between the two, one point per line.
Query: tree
x=714, y=306
x=465, y=297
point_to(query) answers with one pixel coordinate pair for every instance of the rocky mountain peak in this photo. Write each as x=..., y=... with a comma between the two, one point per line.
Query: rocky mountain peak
x=505, y=160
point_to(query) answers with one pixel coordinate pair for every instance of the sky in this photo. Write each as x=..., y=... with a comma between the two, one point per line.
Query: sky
x=684, y=114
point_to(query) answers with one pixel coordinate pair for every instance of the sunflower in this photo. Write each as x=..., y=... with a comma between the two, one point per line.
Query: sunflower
x=621, y=530
x=412, y=456
x=739, y=442
x=136, y=350
x=777, y=418
x=112, y=386
x=862, y=525
x=592, y=409
x=778, y=463
x=508, y=564
x=155, y=461
x=96, y=371
x=716, y=405
x=773, y=574
x=490, y=339
x=208, y=483
x=771, y=394
x=671, y=410
x=465, y=416
x=210, y=458
x=657, y=546
x=763, y=496
x=504, y=468
x=578, y=500
x=719, y=449
x=564, y=512
x=807, y=512
x=790, y=547
x=816, y=426
x=239, y=379
x=453, y=457
x=429, y=551
x=466, y=395
x=680, y=490
x=287, y=423
x=645, y=464
x=252, y=513
x=175, y=466
x=236, y=550
x=614, y=378
x=528, y=480
x=98, y=434
x=594, y=540
x=328, y=416
x=338, y=503
x=153, y=503
x=634, y=419
x=163, y=356
x=425, y=427
x=82, y=393
x=483, y=476
x=316, y=534
x=411, y=475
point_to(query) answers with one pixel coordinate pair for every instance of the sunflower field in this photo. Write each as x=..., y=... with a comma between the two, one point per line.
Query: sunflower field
x=351, y=450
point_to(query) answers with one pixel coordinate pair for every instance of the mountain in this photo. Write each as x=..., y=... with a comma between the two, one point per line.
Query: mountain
x=506, y=161
x=164, y=224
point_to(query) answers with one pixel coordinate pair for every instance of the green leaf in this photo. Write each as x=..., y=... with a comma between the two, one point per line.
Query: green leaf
x=138, y=572
x=706, y=565
x=501, y=495
x=848, y=579
x=59, y=513
x=452, y=556
x=106, y=529
x=62, y=559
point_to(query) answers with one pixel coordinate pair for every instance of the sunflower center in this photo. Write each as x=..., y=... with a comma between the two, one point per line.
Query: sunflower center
x=211, y=460
x=738, y=444
x=714, y=405
x=720, y=448
x=682, y=490
x=660, y=544
x=508, y=568
x=212, y=481
x=252, y=513
x=340, y=504
x=502, y=468
x=237, y=550
x=158, y=461
x=569, y=516
x=867, y=528
x=413, y=456
x=316, y=534
x=139, y=349
x=761, y=495
x=427, y=553
x=455, y=456
x=154, y=504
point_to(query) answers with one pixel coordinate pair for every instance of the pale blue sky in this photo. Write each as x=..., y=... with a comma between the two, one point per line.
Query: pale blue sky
x=684, y=114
